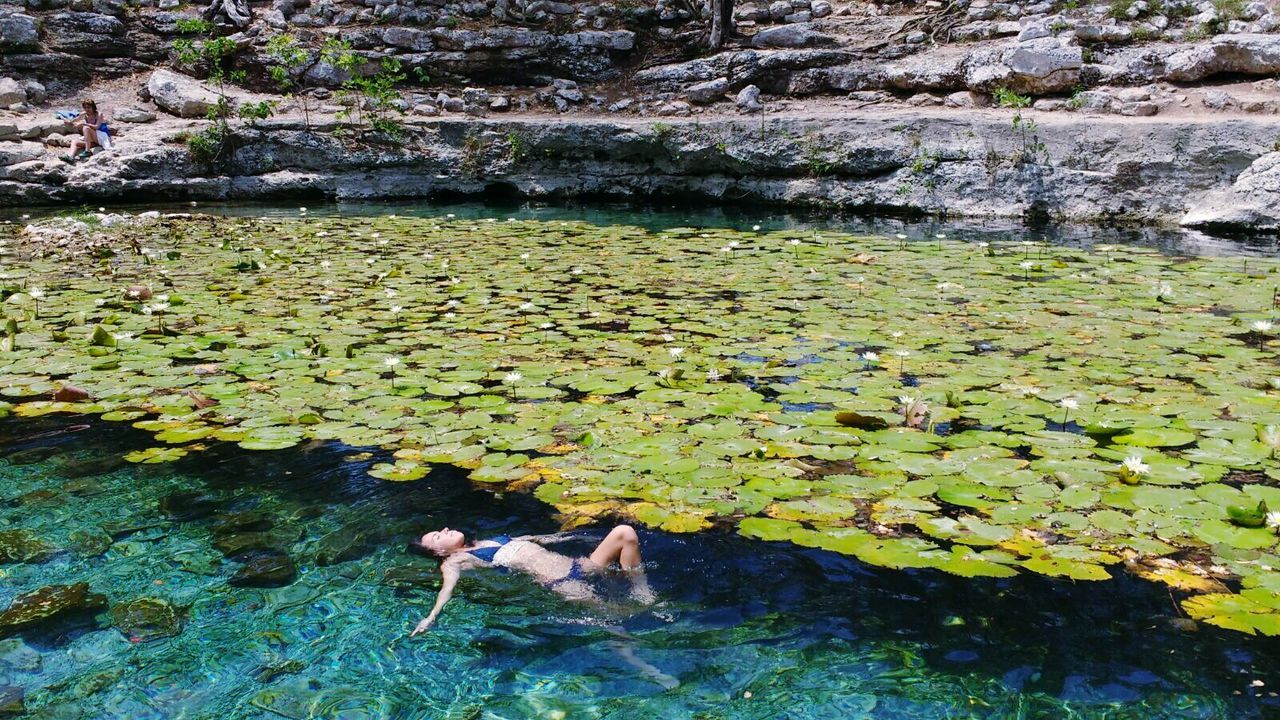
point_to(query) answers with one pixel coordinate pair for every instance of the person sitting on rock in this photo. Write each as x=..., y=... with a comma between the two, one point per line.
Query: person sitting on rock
x=563, y=574
x=88, y=123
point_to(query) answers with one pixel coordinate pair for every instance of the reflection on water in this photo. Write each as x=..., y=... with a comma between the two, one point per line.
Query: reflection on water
x=751, y=630
x=1175, y=241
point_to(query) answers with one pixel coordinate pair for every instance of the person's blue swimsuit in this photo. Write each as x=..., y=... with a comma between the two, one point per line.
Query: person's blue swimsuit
x=488, y=552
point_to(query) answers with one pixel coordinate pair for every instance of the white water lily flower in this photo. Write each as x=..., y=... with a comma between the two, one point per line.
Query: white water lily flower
x=902, y=353
x=454, y=281
x=906, y=399
x=391, y=361
x=1134, y=464
x=726, y=249
x=675, y=352
x=1162, y=289
x=901, y=236
x=668, y=337
x=326, y=264
x=391, y=293
x=444, y=263
x=1273, y=519
x=1069, y=403
x=713, y=375
x=794, y=241
x=546, y=326
x=396, y=309
x=524, y=256
x=1026, y=265
x=512, y=377
x=941, y=236
x=526, y=306
x=302, y=209
x=665, y=373
x=870, y=356
x=160, y=307
x=452, y=303
x=35, y=293
x=1258, y=325
x=984, y=244
x=370, y=261
x=449, y=316
x=755, y=228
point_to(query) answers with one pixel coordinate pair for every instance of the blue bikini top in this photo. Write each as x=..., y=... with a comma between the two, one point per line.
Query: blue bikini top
x=486, y=553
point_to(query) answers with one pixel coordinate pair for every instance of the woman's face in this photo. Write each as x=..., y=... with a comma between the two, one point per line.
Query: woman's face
x=443, y=541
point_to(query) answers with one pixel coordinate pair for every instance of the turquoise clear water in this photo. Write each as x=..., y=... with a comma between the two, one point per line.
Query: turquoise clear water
x=751, y=630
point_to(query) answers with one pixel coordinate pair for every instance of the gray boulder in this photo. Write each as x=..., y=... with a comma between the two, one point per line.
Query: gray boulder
x=1037, y=67
x=748, y=99
x=1251, y=203
x=12, y=153
x=791, y=36
x=1255, y=54
x=134, y=115
x=87, y=34
x=18, y=32
x=708, y=92
x=180, y=95
x=408, y=39
x=11, y=93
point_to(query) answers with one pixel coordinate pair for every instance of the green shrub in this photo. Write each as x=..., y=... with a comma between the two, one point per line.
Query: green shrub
x=1004, y=97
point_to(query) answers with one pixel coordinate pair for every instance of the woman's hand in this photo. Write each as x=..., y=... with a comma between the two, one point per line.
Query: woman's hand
x=423, y=624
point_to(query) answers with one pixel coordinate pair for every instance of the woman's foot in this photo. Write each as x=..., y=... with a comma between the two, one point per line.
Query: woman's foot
x=68, y=159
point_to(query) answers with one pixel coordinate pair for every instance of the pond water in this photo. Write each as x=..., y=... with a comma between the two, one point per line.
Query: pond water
x=750, y=629
x=885, y=469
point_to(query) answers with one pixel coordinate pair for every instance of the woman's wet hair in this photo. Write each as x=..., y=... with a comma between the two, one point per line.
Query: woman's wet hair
x=418, y=548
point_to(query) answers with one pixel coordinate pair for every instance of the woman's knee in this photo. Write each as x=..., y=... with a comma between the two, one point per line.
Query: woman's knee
x=626, y=534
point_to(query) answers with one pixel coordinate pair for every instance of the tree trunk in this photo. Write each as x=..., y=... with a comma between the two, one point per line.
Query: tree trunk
x=721, y=18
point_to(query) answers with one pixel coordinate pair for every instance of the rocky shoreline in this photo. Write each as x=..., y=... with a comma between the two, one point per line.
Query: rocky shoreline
x=1209, y=173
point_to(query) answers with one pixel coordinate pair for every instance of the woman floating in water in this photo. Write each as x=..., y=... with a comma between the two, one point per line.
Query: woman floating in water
x=526, y=554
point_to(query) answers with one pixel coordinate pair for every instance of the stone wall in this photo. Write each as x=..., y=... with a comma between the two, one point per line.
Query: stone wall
x=977, y=165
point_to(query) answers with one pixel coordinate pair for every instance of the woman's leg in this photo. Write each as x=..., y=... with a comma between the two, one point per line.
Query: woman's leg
x=90, y=137
x=621, y=544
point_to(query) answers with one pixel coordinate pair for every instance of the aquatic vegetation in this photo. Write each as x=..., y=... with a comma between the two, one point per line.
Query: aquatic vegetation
x=1040, y=409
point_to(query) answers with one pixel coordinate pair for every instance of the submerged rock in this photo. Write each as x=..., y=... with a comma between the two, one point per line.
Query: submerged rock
x=267, y=569
x=245, y=521
x=11, y=701
x=271, y=671
x=21, y=546
x=341, y=545
x=49, y=604
x=88, y=467
x=31, y=456
x=410, y=576
x=233, y=544
x=90, y=542
x=19, y=656
x=146, y=619
x=187, y=506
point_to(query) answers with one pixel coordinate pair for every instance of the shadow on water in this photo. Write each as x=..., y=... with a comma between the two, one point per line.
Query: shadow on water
x=806, y=633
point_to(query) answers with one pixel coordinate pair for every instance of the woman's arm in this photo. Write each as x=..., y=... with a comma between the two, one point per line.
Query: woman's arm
x=450, y=570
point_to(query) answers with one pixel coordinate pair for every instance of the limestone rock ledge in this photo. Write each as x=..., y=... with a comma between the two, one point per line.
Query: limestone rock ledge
x=1207, y=172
